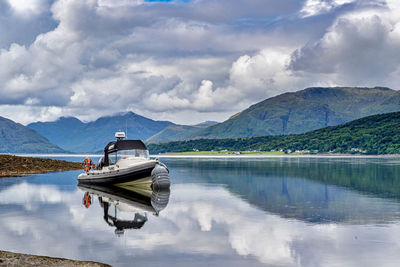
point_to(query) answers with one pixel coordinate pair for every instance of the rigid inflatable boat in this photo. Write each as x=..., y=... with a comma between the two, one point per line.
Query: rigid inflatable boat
x=126, y=161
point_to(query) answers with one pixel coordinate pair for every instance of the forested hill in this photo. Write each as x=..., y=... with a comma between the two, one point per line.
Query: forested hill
x=16, y=138
x=377, y=134
x=305, y=110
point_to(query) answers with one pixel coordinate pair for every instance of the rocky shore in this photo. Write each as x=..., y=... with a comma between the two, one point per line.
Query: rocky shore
x=11, y=259
x=11, y=165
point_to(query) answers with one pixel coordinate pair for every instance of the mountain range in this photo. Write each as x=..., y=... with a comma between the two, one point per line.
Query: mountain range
x=305, y=110
x=377, y=134
x=288, y=113
x=16, y=138
x=74, y=135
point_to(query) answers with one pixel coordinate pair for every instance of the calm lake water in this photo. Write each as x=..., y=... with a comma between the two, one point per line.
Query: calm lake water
x=220, y=212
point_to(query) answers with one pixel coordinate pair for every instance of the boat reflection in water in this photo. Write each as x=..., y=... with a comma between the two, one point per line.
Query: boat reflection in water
x=126, y=205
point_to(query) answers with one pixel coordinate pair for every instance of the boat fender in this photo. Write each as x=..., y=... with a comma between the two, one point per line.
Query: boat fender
x=159, y=200
x=160, y=178
x=165, y=166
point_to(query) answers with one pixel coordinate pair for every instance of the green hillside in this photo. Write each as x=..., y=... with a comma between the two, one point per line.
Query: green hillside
x=377, y=134
x=177, y=132
x=16, y=138
x=306, y=110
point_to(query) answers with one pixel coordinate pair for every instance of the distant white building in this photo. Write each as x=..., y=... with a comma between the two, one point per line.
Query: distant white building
x=302, y=151
x=353, y=149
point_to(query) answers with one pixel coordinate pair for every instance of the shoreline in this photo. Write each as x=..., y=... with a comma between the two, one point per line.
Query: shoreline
x=15, y=166
x=206, y=155
x=19, y=259
x=273, y=156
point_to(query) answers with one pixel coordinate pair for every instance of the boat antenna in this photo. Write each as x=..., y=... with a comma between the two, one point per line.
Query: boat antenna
x=120, y=135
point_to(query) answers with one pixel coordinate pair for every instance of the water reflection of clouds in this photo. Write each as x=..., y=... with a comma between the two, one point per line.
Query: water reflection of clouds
x=27, y=194
x=204, y=223
x=228, y=223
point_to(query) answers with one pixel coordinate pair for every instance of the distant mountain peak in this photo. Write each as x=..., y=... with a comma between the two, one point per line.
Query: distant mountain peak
x=120, y=114
x=305, y=110
x=68, y=118
x=206, y=123
x=126, y=113
x=92, y=136
x=345, y=88
x=383, y=88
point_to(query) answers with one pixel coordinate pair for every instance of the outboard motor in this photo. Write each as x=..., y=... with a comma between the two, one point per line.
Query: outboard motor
x=160, y=178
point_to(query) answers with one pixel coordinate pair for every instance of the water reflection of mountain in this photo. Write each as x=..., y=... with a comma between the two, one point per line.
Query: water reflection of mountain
x=314, y=190
x=125, y=207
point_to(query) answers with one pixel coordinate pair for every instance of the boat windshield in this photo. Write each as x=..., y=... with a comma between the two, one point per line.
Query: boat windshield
x=133, y=153
x=121, y=154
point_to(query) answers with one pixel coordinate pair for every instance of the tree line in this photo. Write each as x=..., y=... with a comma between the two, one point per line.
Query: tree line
x=377, y=134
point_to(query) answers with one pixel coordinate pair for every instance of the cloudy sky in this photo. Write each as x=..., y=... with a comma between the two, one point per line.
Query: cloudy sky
x=186, y=61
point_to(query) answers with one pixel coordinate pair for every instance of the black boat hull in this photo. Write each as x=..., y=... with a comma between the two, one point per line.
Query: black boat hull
x=117, y=179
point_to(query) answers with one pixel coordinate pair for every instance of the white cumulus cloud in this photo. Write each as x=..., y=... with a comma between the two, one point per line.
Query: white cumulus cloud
x=186, y=61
